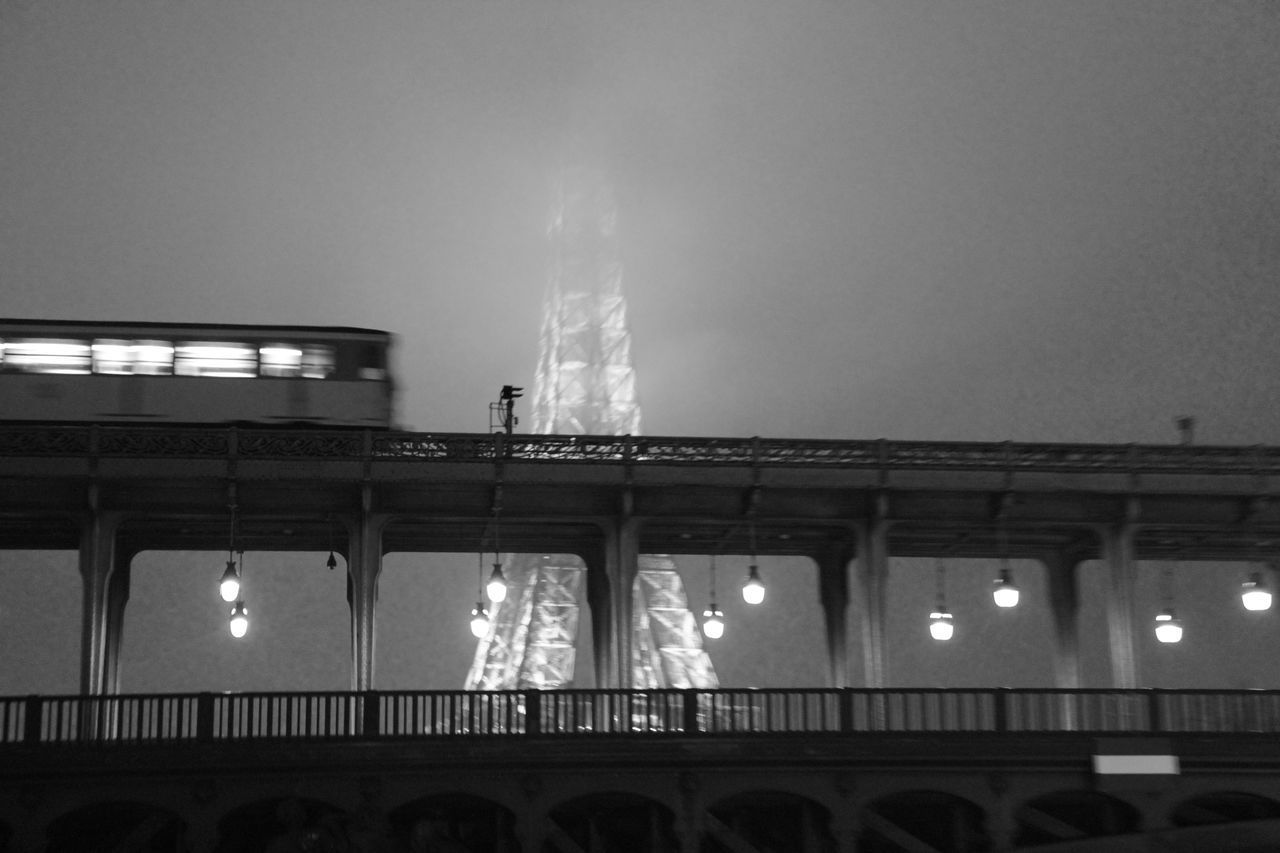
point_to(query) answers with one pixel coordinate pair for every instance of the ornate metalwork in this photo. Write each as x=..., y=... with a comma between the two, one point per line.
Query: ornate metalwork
x=210, y=442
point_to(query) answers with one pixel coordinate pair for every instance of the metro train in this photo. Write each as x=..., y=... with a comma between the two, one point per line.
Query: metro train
x=58, y=371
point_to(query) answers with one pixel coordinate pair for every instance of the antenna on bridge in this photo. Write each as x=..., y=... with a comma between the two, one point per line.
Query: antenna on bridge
x=1186, y=428
x=502, y=413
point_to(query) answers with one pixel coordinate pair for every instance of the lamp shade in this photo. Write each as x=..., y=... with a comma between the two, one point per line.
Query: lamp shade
x=753, y=589
x=479, y=620
x=229, y=585
x=1168, y=627
x=941, y=624
x=1254, y=593
x=1006, y=591
x=496, y=589
x=713, y=623
x=239, y=620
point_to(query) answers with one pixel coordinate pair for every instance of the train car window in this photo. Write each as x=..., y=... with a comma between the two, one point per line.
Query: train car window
x=280, y=360
x=318, y=361
x=46, y=355
x=113, y=357
x=152, y=358
x=219, y=359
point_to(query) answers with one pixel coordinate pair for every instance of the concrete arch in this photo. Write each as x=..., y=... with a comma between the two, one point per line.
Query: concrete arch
x=617, y=821
x=1223, y=807
x=920, y=820
x=454, y=823
x=114, y=825
x=768, y=821
x=282, y=825
x=1072, y=815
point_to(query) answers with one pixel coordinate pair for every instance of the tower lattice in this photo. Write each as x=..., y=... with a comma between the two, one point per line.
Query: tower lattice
x=585, y=385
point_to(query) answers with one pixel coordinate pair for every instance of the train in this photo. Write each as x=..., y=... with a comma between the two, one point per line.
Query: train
x=91, y=372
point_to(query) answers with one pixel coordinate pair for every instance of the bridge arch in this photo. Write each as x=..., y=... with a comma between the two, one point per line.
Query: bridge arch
x=1223, y=807
x=767, y=820
x=617, y=821
x=923, y=819
x=275, y=823
x=114, y=825
x=1072, y=815
x=454, y=821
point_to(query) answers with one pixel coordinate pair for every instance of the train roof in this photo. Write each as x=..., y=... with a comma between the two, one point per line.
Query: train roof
x=98, y=327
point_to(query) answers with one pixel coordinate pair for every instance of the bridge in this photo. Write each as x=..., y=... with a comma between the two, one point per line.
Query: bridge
x=850, y=765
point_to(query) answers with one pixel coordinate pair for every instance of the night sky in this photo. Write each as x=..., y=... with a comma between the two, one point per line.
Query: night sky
x=1037, y=221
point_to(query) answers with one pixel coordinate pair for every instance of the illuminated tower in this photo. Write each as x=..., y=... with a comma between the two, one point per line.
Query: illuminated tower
x=585, y=385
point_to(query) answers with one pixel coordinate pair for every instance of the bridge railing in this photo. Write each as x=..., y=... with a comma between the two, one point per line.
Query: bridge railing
x=339, y=715
x=30, y=440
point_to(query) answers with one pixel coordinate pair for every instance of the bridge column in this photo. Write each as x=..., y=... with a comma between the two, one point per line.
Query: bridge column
x=1122, y=571
x=599, y=600
x=117, y=598
x=364, y=564
x=833, y=592
x=622, y=559
x=1064, y=605
x=872, y=580
x=97, y=561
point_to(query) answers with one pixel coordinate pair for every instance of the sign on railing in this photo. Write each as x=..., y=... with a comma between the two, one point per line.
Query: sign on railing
x=135, y=719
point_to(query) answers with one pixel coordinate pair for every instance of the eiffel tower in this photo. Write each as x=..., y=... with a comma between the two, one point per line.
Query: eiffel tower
x=585, y=385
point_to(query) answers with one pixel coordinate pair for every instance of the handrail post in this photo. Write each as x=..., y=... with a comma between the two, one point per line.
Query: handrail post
x=1002, y=709
x=690, y=709
x=370, y=713
x=32, y=723
x=1153, y=709
x=846, y=709
x=533, y=712
x=204, y=717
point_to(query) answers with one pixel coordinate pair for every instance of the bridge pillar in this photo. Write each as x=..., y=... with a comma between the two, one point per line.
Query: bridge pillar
x=1064, y=606
x=599, y=601
x=1122, y=570
x=833, y=591
x=117, y=598
x=622, y=564
x=364, y=564
x=97, y=562
x=872, y=578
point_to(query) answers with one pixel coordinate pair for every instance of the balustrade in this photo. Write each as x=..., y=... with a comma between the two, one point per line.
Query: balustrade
x=340, y=715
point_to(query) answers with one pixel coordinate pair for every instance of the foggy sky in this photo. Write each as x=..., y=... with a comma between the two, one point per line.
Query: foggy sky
x=981, y=220
x=1034, y=221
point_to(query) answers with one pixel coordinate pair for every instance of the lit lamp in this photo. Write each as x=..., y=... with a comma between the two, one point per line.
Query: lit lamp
x=1168, y=627
x=713, y=617
x=1006, y=591
x=1254, y=593
x=239, y=620
x=713, y=622
x=941, y=625
x=753, y=589
x=229, y=586
x=479, y=620
x=497, y=586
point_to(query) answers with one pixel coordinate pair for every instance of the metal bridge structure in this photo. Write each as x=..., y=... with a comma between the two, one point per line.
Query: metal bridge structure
x=585, y=385
x=862, y=763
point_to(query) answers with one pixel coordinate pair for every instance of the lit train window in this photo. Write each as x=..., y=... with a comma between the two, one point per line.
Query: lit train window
x=317, y=361
x=207, y=358
x=113, y=357
x=46, y=355
x=280, y=360
x=152, y=358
